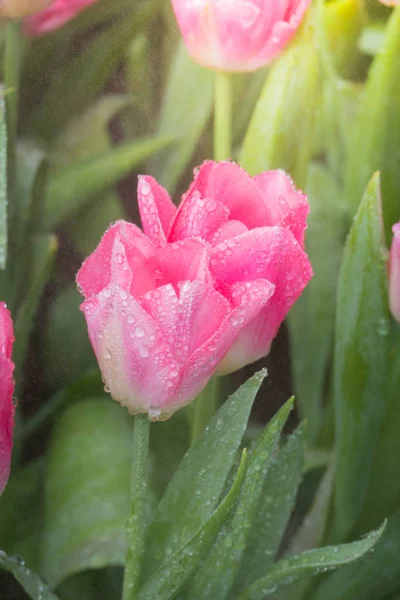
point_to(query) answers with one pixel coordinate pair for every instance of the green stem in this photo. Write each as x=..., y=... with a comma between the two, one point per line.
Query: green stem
x=12, y=60
x=223, y=116
x=137, y=521
x=205, y=407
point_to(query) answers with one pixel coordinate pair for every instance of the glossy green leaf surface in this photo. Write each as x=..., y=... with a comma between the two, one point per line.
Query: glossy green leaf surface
x=311, y=563
x=87, y=489
x=360, y=362
x=199, y=481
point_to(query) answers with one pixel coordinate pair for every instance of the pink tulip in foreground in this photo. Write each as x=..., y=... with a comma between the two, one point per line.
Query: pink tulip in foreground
x=204, y=290
x=394, y=273
x=237, y=35
x=6, y=394
x=55, y=16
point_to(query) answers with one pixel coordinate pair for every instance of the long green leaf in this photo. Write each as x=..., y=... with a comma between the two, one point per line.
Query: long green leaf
x=374, y=578
x=360, y=367
x=375, y=138
x=197, y=485
x=216, y=578
x=310, y=563
x=3, y=181
x=173, y=574
x=185, y=112
x=279, y=134
x=87, y=489
x=29, y=580
x=277, y=502
x=70, y=188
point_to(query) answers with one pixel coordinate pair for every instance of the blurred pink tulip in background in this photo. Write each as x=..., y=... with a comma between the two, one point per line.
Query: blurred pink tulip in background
x=6, y=394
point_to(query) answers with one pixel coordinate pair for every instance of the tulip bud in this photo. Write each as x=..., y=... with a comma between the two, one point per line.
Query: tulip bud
x=6, y=394
x=237, y=35
x=18, y=9
x=394, y=273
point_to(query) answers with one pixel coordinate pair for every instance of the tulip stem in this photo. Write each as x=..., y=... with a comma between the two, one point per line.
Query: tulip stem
x=205, y=407
x=136, y=526
x=223, y=116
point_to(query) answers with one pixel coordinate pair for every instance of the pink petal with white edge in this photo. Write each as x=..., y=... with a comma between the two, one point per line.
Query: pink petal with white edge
x=188, y=318
x=136, y=363
x=230, y=185
x=157, y=210
x=270, y=253
x=198, y=217
x=202, y=364
x=182, y=261
x=285, y=206
x=95, y=273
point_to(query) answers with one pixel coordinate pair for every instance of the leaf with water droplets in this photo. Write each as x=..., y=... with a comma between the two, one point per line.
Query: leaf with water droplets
x=173, y=573
x=216, y=578
x=29, y=580
x=197, y=485
x=361, y=350
x=308, y=564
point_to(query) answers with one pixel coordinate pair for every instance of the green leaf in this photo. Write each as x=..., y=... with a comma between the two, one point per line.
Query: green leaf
x=310, y=563
x=184, y=115
x=312, y=318
x=3, y=181
x=87, y=489
x=343, y=21
x=220, y=570
x=375, y=138
x=360, y=365
x=31, y=582
x=278, y=498
x=43, y=256
x=197, y=485
x=374, y=578
x=68, y=189
x=279, y=134
x=85, y=74
x=65, y=347
x=173, y=573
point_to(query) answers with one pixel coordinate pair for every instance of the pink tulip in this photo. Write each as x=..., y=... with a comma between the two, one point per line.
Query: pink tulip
x=204, y=290
x=237, y=35
x=55, y=16
x=394, y=273
x=6, y=394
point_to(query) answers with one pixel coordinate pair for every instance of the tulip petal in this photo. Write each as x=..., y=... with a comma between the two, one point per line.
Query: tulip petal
x=202, y=363
x=6, y=394
x=230, y=185
x=157, y=210
x=55, y=16
x=228, y=230
x=188, y=318
x=198, y=216
x=285, y=206
x=270, y=253
x=95, y=273
x=136, y=364
x=183, y=261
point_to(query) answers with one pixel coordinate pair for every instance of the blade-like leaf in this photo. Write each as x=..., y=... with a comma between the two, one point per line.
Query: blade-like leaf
x=87, y=489
x=3, y=181
x=310, y=563
x=70, y=188
x=197, y=485
x=220, y=570
x=173, y=574
x=360, y=367
x=279, y=134
x=373, y=578
x=312, y=318
x=184, y=115
x=375, y=138
x=32, y=584
x=277, y=502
